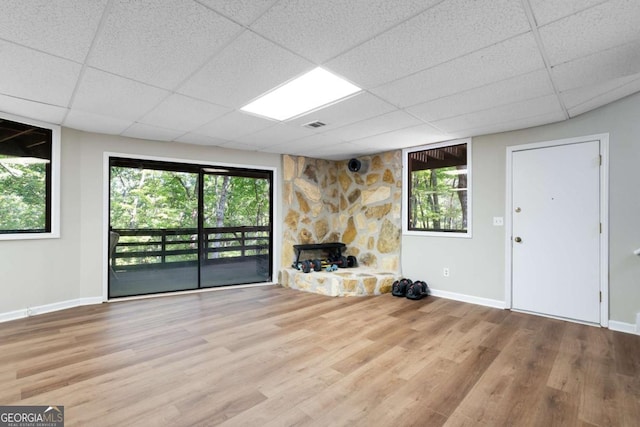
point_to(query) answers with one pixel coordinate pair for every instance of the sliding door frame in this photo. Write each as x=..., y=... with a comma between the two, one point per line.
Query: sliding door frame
x=107, y=156
x=203, y=226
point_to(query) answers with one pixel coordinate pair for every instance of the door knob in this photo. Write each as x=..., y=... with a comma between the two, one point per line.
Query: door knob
x=518, y=240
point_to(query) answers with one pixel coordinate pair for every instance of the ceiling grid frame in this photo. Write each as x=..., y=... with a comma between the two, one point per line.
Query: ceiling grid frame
x=510, y=41
x=543, y=53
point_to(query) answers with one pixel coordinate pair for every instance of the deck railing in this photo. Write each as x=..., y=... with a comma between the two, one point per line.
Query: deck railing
x=140, y=248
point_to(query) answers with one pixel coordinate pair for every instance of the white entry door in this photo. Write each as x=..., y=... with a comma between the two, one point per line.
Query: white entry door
x=556, y=231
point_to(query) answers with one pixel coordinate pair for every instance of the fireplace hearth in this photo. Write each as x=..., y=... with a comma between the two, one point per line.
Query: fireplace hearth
x=358, y=281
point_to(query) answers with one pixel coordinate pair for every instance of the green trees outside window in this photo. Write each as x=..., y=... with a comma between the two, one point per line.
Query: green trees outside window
x=438, y=189
x=162, y=216
x=25, y=178
x=148, y=198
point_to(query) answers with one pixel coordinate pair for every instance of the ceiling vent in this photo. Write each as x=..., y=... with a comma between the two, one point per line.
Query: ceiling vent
x=314, y=125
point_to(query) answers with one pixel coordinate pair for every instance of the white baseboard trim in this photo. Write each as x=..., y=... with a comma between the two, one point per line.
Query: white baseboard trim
x=629, y=328
x=48, y=308
x=468, y=298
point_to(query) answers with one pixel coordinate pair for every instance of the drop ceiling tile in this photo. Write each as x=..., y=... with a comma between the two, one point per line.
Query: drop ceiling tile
x=242, y=11
x=580, y=95
x=319, y=148
x=519, y=88
x=339, y=152
x=318, y=141
x=354, y=109
x=235, y=145
x=501, y=115
x=504, y=60
x=547, y=11
x=593, y=30
x=373, y=126
x=274, y=135
x=99, y=123
x=62, y=27
x=598, y=68
x=183, y=113
x=605, y=96
x=32, y=110
x=104, y=93
x=159, y=42
x=247, y=68
x=321, y=29
x=153, y=133
x=512, y=125
x=593, y=45
x=194, y=138
x=36, y=76
x=449, y=30
x=234, y=125
x=408, y=137
x=305, y=144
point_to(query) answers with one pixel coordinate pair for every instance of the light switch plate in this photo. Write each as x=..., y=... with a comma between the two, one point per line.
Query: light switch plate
x=498, y=220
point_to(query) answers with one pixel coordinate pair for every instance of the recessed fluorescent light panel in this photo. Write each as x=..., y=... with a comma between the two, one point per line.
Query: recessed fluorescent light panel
x=315, y=89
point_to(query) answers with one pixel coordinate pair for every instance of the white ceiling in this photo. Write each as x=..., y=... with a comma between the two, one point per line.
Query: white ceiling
x=431, y=70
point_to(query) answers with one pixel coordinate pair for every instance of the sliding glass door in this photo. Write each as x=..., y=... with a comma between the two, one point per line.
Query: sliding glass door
x=236, y=227
x=181, y=226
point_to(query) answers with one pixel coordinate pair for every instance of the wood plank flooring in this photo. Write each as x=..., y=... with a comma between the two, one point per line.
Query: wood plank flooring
x=272, y=356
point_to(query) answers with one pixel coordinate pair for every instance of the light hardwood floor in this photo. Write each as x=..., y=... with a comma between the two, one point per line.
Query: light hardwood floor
x=271, y=356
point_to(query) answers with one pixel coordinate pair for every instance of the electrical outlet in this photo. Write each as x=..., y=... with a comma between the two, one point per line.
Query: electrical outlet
x=445, y=272
x=498, y=221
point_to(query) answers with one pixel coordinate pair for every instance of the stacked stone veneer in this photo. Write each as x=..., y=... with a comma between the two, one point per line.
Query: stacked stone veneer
x=325, y=202
x=359, y=281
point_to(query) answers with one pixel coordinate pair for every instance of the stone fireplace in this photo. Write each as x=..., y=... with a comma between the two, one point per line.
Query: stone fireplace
x=326, y=202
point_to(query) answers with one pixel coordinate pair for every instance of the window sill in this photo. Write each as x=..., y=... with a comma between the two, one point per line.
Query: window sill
x=29, y=236
x=466, y=235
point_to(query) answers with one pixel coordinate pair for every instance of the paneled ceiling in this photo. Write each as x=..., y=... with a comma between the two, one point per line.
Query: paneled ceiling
x=431, y=70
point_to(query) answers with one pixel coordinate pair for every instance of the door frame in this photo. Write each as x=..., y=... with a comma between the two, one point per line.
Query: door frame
x=275, y=255
x=604, y=216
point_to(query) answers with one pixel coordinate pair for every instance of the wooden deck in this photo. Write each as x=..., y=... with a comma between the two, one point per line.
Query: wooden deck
x=271, y=356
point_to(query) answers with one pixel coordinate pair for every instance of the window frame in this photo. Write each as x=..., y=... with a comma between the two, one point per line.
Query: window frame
x=406, y=185
x=54, y=190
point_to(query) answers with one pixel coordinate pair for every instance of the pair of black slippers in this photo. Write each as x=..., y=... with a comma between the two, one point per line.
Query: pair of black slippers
x=410, y=289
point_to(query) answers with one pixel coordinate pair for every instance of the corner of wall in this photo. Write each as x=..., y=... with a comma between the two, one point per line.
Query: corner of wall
x=325, y=201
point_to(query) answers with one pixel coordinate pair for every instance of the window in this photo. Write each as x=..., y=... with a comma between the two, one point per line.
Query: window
x=28, y=179
x=437, y=189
